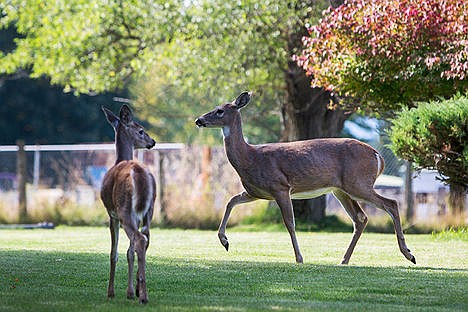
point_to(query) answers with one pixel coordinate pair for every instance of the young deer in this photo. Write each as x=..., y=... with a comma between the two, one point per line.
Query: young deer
x=303, y=169
x=128, y=192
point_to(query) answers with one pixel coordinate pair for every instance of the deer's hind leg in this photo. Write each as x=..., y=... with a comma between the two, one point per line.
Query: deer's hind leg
x=141, y=243
x=145, y=230
x=131, y=230
x=391, y=207
x=138, y=244
x=358, y=217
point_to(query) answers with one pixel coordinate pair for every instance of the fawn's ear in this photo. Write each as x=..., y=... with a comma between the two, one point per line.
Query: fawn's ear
x=111, y=118
x=242, y=100
x=126, y=115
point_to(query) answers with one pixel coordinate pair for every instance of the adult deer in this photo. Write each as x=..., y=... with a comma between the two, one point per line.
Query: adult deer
x=303, y=169
x=128, y=192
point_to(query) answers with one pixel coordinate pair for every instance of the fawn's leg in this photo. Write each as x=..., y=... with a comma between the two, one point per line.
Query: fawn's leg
x=114, y=226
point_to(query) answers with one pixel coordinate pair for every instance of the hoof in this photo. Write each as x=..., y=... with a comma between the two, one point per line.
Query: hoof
x=224, y=241
x=413, y=260
x=143, y=301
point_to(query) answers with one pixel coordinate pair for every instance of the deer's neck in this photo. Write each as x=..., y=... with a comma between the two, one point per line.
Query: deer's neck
x=235, y=145
x=123, y=148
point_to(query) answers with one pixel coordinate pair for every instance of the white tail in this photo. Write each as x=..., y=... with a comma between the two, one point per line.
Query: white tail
x=303, y=169
x=128, y=191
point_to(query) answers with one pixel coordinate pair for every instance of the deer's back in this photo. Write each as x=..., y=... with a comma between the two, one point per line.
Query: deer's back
x=309, y=165
x=128, y=187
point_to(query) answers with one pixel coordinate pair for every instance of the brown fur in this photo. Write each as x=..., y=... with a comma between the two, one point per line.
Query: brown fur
x=128, y=192
x=279, y=171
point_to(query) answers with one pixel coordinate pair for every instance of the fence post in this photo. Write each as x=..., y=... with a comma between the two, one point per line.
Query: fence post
x=409, y=192
x=22, y=178
x=36, y=170
x=160, y=181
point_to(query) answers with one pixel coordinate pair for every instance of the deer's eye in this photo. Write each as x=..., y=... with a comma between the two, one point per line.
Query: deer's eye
x=141, y=132
x=220, y=113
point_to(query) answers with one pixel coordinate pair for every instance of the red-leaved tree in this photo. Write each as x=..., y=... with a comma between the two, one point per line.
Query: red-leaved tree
x=389, y=54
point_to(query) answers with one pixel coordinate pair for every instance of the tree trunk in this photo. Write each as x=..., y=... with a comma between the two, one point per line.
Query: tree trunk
x=457, y=202
x=308, y=114
x=336, y=3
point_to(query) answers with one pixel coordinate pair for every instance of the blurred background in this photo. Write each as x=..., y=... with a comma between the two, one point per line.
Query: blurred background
x=171, y=61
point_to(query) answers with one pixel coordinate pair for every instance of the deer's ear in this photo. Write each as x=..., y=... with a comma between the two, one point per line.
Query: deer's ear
x=242, y=100
x=111, y=118
x=126, y=115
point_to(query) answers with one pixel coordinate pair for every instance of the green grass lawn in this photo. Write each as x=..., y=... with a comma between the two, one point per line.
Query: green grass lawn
x=66, y=269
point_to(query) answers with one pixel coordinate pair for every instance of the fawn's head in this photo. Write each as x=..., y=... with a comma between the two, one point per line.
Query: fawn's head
x=128, y=129
x=224, y=115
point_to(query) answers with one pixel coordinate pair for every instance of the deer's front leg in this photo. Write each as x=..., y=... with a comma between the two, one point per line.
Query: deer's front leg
x=114, y=226
x=235, y=200
x=284, y=202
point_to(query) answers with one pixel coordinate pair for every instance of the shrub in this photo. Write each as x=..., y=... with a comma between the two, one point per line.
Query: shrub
x=435, y=136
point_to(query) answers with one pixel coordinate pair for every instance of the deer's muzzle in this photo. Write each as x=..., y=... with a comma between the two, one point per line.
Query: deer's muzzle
x=200, y=123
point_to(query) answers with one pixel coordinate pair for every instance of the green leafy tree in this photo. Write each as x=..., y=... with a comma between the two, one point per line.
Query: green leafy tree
x=34, y=111
x=83, y=45
x=216, y=49
x=390, y=54
x=233, y=46
x=435, y=135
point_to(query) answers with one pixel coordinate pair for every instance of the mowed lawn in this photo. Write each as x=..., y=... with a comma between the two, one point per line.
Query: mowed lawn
x=66, y=269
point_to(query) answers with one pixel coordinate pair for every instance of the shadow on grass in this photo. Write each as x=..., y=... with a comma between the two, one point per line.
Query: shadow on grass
x=50, y=281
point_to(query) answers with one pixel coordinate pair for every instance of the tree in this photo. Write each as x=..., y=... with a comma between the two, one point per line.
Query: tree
x=40, y=114
x=214, y=45
x=382, y=56
x=435, y=135
x=34, y=111
x=83, y=46
x=233, y=47
x=389, y=54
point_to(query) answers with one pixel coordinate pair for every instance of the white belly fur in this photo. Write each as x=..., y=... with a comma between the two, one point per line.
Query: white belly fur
x=313, y=193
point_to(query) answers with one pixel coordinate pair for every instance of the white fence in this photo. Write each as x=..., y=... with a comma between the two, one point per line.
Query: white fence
x=193, y=181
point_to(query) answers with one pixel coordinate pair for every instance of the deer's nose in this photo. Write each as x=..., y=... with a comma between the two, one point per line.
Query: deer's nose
x=151, y=145
x=200, y=122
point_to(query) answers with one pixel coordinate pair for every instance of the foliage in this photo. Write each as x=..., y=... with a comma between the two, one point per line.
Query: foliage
x=194, y=54
x=34, y=111
x=83, y=45
x=224, y=47
x=189, y=271
x=435, y=135
x=390, y=54
x=451, y=233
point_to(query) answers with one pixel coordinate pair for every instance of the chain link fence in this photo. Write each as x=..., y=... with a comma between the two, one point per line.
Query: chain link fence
x=194, y=185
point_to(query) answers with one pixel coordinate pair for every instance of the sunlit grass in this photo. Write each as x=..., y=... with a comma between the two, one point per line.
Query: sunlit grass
x=66, y=269
x=460, y=233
